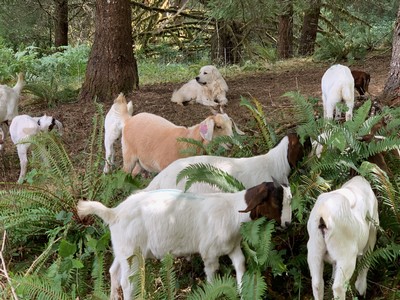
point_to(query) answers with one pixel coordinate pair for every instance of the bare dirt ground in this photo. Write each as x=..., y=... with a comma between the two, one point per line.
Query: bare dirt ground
x=267, y=87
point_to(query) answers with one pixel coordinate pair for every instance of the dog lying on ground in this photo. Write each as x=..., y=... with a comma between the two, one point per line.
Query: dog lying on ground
x=208, y=87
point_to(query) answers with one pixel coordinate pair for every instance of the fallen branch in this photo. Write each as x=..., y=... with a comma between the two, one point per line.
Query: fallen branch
x=4, y=269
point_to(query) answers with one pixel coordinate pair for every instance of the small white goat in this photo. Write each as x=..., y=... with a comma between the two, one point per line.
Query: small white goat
x=150, y=141
x=9, y=99
x=340, y=230
x=277, y=163
x=24, y=126
x=113, y=129
x=337, y=83
x=171, y=221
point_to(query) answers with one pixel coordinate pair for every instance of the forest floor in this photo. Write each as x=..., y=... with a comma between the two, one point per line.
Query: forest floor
x=267, y=87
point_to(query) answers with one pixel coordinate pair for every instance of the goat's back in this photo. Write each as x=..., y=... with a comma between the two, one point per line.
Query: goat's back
x=339, y=81
x=345, y=210
x=165, y=221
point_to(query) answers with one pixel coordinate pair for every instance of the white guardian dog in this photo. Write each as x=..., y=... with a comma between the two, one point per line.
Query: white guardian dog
x=209, y=88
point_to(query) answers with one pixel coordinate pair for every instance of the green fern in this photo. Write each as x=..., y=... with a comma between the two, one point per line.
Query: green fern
x=221, y=287
x=267, y=132
x=168, y=278
x=206, y=173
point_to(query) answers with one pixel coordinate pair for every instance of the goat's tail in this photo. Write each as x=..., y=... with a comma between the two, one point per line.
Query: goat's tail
x=124, y=109
x=95, y=208
x=20, y=83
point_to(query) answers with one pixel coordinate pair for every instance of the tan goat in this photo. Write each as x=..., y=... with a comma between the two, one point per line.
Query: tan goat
x=150, y=141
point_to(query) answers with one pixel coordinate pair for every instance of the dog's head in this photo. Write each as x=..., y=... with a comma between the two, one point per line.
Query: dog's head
x=207, y=75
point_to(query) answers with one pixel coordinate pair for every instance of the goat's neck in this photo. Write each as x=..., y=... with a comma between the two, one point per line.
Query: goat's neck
x=19, y=86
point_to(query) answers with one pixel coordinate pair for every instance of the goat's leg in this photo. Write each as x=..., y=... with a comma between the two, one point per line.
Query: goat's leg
x=22, y=150
x=349, y=112
x=361, y=282
x=316, y=249
x=115, y=276
x=125, y=273
x=109, y=149
x=238, y=262
x=211, y=265
x=344, y=270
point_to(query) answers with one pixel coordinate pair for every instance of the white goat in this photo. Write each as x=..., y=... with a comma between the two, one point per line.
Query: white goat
x=277, y=163
x=112, y=130
x=171, y=221
x=150, y=141
x=340, y=230
x=2, y=137
x=24, y=126
x=9, y=99
x=337, y=83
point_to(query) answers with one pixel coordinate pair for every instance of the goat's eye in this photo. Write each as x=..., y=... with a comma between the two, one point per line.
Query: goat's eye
x=218, y=127
x=205, y=73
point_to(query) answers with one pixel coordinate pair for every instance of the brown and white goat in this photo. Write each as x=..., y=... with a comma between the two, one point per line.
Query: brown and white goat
x=277, y=163
x=361, y=81
x=341, y=228
x=171, y=221
x=150, y=141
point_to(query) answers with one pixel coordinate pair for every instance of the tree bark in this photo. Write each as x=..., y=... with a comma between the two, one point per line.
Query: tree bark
x=226, y=43
x=112, y=66
x=61, y=23
x=310, y=28
x=391, y=91
x=285, y=30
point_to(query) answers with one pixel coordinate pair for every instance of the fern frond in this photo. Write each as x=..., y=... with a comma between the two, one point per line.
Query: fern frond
x=40, y=288
x=267, y=132
x=253, y=286
x=225, y=286
x=168, y=278
x=206, y=173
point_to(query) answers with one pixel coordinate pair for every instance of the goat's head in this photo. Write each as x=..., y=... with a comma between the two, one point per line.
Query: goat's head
x=296, y=150
x=270, y=200
x=216, y=125
x=47, y=123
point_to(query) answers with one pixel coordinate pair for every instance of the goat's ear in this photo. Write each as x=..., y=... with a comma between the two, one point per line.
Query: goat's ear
x=238, y=131
x=207, y=129
x=59, y=126
x=254, y=196
x=276, y=183
x=295, y=150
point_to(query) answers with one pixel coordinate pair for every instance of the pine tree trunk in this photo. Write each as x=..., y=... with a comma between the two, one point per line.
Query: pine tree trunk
x=225, y=43
x=285, y=30
x=112, y=66
x=61, y=23
x=391, y=91
x=310, y=28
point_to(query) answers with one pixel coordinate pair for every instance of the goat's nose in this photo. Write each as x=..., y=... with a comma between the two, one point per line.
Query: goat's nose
x=197, y=78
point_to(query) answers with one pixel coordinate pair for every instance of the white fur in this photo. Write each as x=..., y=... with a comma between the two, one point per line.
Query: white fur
x=346, y=234
x=248, y=170
x=2, y=137
x=170, y=221
x=24, y=126
x=208, y=86
x=9, y=99
x=337, y=84
x=151, y=142
x=112, y=131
